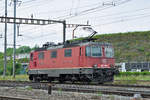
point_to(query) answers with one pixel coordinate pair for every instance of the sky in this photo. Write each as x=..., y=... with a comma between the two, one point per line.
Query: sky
x=104, y=16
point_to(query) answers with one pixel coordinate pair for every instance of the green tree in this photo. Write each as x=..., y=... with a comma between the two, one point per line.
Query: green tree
x=23, y=49
x=9, y=51
x=35, y=47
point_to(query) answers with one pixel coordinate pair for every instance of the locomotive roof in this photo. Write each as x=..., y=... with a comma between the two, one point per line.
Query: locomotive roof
x=67, y=45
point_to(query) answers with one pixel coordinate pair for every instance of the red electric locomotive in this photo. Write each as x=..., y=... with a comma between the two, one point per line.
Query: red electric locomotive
x=84, y=61
x=87, y=61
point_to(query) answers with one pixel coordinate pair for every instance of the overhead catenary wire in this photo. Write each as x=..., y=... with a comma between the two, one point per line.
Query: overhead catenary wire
x=122, y=13
x=69, y=9
x=120, y=19
x=123, y=20
x=31, y=31
x=61, y=11
x=98, y=4
x=32, y=5
x=128, y=18
x=92, y=10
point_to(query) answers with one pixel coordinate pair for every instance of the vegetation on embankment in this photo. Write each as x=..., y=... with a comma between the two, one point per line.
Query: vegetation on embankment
x=130, y=46
x=20, y=50
x=17, y=78
x=133, y=75
x=141, y=78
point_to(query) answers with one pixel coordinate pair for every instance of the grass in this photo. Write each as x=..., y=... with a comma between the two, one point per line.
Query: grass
x=133, y=73
x=17, y=78
x=133, y=77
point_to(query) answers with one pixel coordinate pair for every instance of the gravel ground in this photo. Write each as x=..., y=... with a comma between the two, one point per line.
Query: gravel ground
x=101, y=87
x=36, y=94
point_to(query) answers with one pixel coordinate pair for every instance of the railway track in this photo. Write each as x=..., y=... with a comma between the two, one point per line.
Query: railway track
x=126, y=90
x=13, y=98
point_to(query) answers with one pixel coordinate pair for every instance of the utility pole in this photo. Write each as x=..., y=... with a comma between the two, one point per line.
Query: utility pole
x=64, y=31
x=5, y=41
x=14, y=46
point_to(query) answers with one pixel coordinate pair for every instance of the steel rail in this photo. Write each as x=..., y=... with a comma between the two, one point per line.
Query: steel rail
x=13, y=98
x=104, y=89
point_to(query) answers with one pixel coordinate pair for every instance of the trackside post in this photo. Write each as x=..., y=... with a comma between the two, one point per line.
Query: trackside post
x=49, y=89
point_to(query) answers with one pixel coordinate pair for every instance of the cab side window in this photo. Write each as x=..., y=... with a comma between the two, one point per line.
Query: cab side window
x=109, y=52
x=53, y=54
x=68, y=52
x=88, y=51
x=41, y=55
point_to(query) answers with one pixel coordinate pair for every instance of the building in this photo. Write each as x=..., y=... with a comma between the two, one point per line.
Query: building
x=133, y=66
x=21, y=56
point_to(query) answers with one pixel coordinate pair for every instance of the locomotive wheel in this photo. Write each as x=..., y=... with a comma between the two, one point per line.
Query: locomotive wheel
x=73, y=79
x=30, y=77
x=61, y=80
x=35, y=79
x=111, y=78
x=49, y=80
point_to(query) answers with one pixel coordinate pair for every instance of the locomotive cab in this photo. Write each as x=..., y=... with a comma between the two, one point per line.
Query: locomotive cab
x=101, y=55
x=100, y=58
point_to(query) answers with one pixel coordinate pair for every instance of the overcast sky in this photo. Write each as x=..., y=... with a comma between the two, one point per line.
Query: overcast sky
x=105, y=16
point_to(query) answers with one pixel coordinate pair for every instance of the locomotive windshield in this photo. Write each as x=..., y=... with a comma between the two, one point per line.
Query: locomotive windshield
x=94, y=51
x=109, y=52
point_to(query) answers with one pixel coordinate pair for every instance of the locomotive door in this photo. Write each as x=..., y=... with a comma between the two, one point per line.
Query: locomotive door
x=34, y=61
x=81, y=61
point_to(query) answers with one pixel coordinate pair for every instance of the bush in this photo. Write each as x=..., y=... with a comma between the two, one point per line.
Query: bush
x=140, y=49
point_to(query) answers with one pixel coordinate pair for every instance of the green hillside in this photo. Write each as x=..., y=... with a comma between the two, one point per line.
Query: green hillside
x=131, y=46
